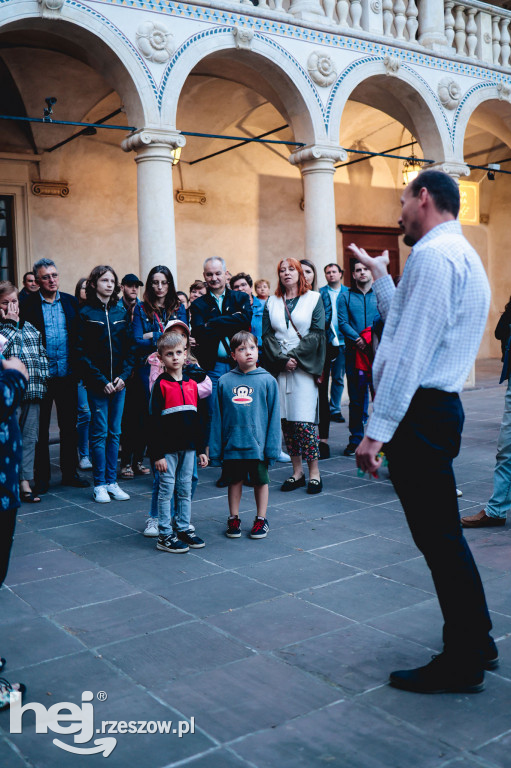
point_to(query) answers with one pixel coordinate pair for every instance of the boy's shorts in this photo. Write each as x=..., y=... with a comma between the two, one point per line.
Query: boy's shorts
x=237, y=470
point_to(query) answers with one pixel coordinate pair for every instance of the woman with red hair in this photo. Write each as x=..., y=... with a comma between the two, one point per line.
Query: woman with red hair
x=294, y=351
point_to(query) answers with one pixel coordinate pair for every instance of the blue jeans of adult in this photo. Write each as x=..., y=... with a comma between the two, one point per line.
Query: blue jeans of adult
x=358, y=384
x=337, y=370
x=156, y=488
x=420, y=459
x=500, y=501
x=105, y=432
x=83, y=421
x=177, y=477
x=219, y=370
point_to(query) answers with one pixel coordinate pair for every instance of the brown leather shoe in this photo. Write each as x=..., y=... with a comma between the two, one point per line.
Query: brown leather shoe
x=482, y=520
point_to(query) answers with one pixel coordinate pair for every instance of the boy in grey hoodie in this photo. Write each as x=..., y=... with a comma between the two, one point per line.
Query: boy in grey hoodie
x=245, y=431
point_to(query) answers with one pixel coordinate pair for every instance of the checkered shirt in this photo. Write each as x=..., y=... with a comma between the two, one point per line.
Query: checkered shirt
x=434, y=322
x=26, y=343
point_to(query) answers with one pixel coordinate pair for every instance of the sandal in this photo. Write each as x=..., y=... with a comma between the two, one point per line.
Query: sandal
x=127, y=473
x=7, y=690
x=292, y=483
x=315, y=486
x=30, y=498
x=139, y=469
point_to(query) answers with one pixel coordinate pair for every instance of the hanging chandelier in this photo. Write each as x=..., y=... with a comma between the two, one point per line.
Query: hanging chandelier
x=411, y=167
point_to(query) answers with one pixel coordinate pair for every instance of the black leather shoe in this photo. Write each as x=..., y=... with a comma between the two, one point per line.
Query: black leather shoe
x=324, y=450
x=315, y=486
x=442, y=675
x=491, y=656
x=75, y=482
x=338, y=418
x=292, y=483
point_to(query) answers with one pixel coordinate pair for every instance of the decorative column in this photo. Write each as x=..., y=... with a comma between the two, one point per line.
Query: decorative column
x=308, y=10
x=431, y=24
x=155, y=196
x=451, y=167
x=317, y=167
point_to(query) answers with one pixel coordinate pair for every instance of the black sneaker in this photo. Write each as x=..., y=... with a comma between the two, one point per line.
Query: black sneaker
x=338, y=418
x=442, y=675
x=350, y=449
x=233, y=528
x=190, y=538
x=171, y=544
x=259, y=529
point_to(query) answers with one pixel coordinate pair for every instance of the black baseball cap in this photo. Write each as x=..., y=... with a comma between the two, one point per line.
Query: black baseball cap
x=131, y=279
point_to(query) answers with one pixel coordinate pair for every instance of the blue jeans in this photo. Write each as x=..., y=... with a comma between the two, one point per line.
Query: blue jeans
x=156, y=487
x=179, y=476
x=83, y=421
x=358, y=384
x=500, y=501
x=105, y=431
x=337, y=369
x=214, y=375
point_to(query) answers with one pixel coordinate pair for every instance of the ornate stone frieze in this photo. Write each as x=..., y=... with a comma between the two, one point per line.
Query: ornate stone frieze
x=391, y=64
x=321, y=68
x=50, y=188
x=504, y=91
x=50, y=9
x=243, y=37
x=152, y=136
x=449, y=92
x=155, y=42
x=318, y=152
x=191, y=196
x=450, y=167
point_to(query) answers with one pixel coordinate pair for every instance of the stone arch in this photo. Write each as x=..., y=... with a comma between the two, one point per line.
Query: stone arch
x=396, y=89
x=264, y=66
x=492, y=100
x=86, y=35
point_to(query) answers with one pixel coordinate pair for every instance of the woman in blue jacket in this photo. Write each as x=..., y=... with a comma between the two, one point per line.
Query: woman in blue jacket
x=160, y=304
x=106, y=354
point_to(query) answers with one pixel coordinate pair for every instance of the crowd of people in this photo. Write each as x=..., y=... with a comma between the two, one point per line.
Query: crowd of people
x=220, y=375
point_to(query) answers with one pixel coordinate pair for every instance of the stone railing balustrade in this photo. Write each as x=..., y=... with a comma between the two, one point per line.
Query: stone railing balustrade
x=479, y=31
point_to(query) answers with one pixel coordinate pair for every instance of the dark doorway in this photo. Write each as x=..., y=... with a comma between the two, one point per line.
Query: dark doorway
x=374, y=240
x=7, y=259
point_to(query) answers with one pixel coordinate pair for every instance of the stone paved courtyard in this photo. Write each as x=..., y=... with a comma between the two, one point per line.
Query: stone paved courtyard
x=279, y=649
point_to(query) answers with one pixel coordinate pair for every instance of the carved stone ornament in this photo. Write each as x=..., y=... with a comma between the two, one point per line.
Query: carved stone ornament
x=155, y=42
x=376, y=6
x=51, y=9
x=391, y=64
x=318, y=152
x=449, y=93
x=504, y=91
x=321, y=68
x=151, y=136
x=487, y=37
x=451, y=168
x=50, y=188
x=191, y=196
x=243, y=37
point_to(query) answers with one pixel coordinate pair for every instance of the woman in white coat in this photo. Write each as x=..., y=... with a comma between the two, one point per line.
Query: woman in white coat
x=294, y=351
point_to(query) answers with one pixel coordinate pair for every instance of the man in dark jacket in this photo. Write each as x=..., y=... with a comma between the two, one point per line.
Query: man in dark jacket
x=54, y=314
x=356, y=310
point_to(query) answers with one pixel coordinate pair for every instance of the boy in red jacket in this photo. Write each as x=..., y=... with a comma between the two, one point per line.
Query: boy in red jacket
x=175, y=436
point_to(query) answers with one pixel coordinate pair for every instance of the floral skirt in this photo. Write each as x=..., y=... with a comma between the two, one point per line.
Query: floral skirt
x=301, y=439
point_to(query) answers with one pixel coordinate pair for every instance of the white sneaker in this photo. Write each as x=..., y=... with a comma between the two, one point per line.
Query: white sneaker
x=100, y=494
x=284, y=458
x=117, y=493
x=151, y=527
x=85, y=463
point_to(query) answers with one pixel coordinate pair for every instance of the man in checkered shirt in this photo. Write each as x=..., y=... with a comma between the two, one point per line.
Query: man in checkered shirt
x=434, y=322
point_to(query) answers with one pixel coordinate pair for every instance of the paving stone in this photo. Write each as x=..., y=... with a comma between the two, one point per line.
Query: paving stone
x=345, y=730
x=13, y=608
x=53, y=518
x=91, y=586
x=491, y=549
x=30, y=543
x=278, y=622
x=166, y=573
x=368, y=552
x=117, y=619
x=375, y=492
x=364, y=596
x=414, y=573
x=498, y=593
x=497, y=751
x=10, y=758
x=173, y=653
x=221, y=758
x=356, y=658
x=312, y=534
x=297, y=571
x=44, y=565
x=233, y=553
x=117, y=551
x=266, y=692
x=88, y=533
x=30, y=641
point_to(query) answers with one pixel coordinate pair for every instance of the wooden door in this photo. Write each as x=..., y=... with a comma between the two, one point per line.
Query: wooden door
x=374, y=240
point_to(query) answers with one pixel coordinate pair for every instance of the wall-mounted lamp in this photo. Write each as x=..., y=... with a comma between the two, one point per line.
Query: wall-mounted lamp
x=492, y=167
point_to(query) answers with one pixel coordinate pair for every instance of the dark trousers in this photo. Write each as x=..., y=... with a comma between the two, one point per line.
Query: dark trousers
x=359, y=382
x=134, y=422
x=324, y=406
x=420, y=459
x=7, y=525
x=63, y=391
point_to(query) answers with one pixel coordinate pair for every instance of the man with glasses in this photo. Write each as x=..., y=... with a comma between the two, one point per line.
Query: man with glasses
x=55, y=315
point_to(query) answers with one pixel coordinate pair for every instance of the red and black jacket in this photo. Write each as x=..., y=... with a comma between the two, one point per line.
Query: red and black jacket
x=174, y=421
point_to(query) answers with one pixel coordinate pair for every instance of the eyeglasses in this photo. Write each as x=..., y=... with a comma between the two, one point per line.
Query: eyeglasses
x=53, y=276
x=160, y=282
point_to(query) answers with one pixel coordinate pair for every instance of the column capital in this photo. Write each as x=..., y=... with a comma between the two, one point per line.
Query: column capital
x=452, y=168
x=152, y=137
x=313, y=152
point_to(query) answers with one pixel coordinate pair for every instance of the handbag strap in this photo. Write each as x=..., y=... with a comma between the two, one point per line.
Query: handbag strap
x=291, y=319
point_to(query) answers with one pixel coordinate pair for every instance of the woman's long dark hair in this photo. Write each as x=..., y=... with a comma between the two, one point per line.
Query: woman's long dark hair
x=171, y=302
x=92, y=282
x=312, y=266
x=78, y=288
